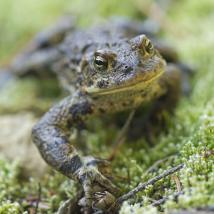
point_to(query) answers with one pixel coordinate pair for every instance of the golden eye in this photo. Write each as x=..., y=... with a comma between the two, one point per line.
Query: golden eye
x=145, y=46
x=148, y=47
x=142, y=44
x=100, y=62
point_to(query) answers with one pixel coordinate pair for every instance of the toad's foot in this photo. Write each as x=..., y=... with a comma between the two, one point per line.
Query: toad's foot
x=92, y=181
x=104, y=201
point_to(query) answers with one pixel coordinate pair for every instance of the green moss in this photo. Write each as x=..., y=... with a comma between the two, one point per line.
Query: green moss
x=137, y=209
x=20, y=194
x=190, y=138
x=8, y=179
x=10, y=208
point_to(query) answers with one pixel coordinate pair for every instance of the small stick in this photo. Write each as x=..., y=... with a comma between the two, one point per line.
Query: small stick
x=39, y=198
x=121, y=136
x=164, y=199
x=152, y=181
x=177, y=182
x=156, y=164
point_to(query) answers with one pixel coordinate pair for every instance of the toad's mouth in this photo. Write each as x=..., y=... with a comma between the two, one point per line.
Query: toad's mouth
x=138, y=84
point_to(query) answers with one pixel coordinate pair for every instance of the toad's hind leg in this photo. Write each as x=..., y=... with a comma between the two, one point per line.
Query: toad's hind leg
x=40, y=54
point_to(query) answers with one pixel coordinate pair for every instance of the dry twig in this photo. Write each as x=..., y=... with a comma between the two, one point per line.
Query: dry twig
x=152, y=181
x=120, y=139
x=164, y=199
x=39, y=198
x=177, y=182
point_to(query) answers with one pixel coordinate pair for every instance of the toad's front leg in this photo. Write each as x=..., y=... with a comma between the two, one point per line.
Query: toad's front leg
x=51, y=136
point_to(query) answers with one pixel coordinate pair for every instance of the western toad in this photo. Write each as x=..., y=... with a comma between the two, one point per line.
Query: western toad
x=108, y=68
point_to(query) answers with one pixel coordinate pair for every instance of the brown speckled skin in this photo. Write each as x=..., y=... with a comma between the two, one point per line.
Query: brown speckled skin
x=132, y=72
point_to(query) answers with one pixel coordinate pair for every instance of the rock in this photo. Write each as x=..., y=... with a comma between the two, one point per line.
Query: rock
x=16, y=144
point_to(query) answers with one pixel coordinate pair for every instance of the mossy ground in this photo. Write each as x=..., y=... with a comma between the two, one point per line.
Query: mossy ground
x=190, y=137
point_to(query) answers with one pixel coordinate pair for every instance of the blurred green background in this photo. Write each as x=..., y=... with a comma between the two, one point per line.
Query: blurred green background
x=188, y=26
x=20, y=20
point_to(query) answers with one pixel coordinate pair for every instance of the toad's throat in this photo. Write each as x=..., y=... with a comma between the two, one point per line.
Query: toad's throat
x=138, y=85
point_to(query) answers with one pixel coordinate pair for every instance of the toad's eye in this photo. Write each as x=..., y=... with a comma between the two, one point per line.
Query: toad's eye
x=148, y=47
x=100, y=62
x=143, y=44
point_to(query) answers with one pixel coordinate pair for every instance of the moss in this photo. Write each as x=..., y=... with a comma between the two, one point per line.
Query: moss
x=190, y=137
x=8, y=179
x=21, y=194
x=10, y=208
x=137, y=208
